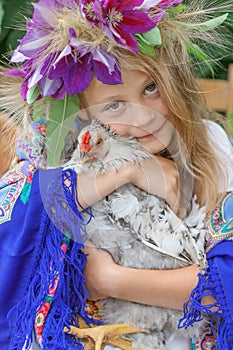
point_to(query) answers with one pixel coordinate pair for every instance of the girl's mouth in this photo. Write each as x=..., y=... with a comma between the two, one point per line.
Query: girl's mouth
x=153, y=134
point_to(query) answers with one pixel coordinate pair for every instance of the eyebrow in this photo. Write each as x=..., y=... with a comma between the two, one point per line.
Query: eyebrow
x=122, y=97
x=112, y=98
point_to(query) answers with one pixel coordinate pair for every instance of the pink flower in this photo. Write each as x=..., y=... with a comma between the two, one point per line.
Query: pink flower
x=53, y=287
x=41, y=316
x=120, y=20
x=42, y=129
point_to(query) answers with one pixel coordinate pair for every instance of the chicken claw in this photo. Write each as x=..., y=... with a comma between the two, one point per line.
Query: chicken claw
x=100, y=336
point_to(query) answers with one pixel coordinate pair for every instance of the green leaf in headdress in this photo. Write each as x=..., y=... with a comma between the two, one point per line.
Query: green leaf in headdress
x=200, y=55
x=61, y=118
x=148, y=40
x=153, y=37
x=207, y=25
x=144, y=47
x=177, y=10
x=33, y=94
x=214, y=22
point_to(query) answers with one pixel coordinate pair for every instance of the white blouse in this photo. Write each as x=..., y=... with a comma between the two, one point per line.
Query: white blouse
x=224, y=150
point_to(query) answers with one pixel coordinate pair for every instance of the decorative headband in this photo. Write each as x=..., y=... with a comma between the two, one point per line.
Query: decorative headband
x=65, y=42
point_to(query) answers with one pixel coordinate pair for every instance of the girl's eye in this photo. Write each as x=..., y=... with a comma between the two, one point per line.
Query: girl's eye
x=151, y=89
x=115, y=106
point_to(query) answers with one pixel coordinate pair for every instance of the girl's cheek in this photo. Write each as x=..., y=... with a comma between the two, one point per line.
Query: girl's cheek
x=118, y=128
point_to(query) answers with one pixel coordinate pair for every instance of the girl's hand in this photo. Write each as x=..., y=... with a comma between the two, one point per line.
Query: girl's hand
x=158, y=176
x=99, y=272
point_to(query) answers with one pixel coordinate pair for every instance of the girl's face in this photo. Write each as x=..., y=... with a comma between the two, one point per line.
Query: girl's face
x=134, y=108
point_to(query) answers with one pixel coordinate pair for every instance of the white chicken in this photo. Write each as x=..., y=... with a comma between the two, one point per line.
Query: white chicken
x=139, y=230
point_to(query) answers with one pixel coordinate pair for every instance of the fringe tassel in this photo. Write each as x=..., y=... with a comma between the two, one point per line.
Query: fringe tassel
x=209, y=284
x=50, y=262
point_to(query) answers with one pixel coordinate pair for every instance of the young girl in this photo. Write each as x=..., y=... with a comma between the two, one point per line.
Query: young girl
x=153, y=125
x=129, y=62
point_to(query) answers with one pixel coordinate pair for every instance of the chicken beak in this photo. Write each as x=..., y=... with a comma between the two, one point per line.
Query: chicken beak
x=84, y=157
x=85, y=147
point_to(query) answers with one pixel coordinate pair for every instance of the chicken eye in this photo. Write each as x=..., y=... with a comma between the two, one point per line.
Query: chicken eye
x=151, y=89
x=99, y=141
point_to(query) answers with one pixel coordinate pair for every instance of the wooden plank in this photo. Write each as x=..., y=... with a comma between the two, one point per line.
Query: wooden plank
x=218, y=93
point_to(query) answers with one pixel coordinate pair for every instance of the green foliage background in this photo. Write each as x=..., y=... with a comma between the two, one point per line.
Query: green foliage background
x=12, y=17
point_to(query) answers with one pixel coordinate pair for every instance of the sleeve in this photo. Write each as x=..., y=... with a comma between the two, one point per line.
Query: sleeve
x=224, y=150
x=216, y=281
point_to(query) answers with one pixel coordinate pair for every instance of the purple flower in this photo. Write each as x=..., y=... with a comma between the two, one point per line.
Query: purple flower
x=164, y=4
x=104, y=65
x=62, y=71
x=39, y=30
x=16, y=72
x=76, y=76
x=24, y=90
x=158, y=9
x=118, y=19
x=51, y=87
x=76, y=72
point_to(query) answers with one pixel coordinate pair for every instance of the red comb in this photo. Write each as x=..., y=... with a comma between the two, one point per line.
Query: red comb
x=85, y=142
x=86, y=138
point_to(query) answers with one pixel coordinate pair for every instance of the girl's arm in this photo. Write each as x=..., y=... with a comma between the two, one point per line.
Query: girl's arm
x=161, y=288
x=157, y=176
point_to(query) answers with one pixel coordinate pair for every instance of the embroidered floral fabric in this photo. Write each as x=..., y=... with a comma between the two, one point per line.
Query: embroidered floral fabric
x=17, y=182
x=206, y=340
x=220, y=222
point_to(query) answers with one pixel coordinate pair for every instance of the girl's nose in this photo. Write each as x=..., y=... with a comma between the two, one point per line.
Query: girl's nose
x=141, y=116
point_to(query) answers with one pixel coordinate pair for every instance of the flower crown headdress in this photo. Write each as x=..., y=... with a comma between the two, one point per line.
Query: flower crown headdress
x=65, y=42
x=68, y=40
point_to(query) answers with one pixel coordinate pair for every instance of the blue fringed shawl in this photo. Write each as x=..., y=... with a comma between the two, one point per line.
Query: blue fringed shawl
x=217, y=281
x=59, y=215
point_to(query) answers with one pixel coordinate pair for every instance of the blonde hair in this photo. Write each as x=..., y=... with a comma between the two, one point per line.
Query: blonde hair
x=11, y=108
x=9, y=132
x=173, y=73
